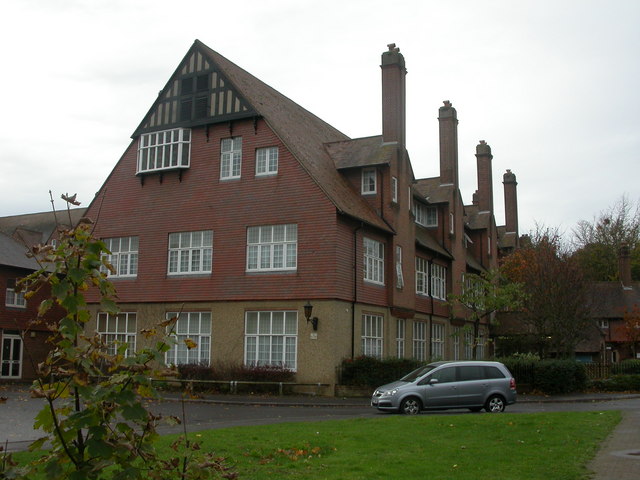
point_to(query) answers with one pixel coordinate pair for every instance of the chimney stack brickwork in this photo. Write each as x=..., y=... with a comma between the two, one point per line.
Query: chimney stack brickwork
x=448, y=122
x=510, y=202
x=485, y=177
x=393, y=95
x=624, y=265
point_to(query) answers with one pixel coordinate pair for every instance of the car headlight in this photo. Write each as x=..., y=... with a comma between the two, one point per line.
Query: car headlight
x=390, y=393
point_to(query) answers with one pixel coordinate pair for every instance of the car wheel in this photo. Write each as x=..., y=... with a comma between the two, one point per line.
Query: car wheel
x=495, y=404
x=411, y=406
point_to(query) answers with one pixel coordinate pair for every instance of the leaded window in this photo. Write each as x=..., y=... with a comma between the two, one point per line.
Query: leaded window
x=372, y=335
x=422, y=276
x=190, y=252
x=438, y=281
x=271, y=338
x=427, y=216
x=123, y=257
x=230, y=158
x=373, y=261
x=192, y=334
x=164, y=150
x=272, y=247
x=117, y=330
x=267, y=161
x=437, y=341
x=420, y=341
x=369, y=181
x=13, y=298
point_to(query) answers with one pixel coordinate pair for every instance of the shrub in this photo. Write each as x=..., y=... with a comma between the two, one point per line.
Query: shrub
x=365, y=371
x=522, y=367
x=235, y=372
x=618, y=383
x=559, y=376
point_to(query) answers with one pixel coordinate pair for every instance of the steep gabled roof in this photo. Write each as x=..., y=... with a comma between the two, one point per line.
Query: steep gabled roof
x=13, y=254
x=235, y=94
x=37, y=227
x=612, y=300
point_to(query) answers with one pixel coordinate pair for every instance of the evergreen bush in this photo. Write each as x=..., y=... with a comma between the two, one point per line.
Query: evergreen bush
x=366, y=371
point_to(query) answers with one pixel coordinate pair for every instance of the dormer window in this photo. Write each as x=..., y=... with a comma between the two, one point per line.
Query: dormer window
x=166, y=150
x=369, y=181
x=425, y=215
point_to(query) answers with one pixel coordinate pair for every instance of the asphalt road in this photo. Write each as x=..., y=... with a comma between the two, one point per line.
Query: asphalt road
x=17, y=414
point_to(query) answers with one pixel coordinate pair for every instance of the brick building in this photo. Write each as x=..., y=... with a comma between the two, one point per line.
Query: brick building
x=236, y=208
x=23, y=341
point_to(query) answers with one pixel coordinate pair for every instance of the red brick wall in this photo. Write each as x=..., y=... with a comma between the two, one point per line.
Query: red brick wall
x=201, y=201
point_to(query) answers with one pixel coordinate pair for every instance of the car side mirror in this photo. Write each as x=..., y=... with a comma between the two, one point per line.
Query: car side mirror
x=428, y=381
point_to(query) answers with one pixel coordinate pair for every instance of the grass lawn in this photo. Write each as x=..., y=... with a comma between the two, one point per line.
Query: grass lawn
x=467, y=446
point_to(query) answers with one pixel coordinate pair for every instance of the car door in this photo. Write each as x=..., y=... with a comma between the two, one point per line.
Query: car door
x=438, y=389
x=472, y=385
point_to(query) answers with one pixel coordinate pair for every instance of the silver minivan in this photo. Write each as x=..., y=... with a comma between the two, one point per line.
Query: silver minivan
x=441, y=385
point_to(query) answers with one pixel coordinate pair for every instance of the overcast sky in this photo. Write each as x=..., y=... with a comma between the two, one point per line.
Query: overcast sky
x=553, y=86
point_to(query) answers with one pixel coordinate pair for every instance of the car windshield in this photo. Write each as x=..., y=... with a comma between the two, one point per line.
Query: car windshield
x=418, y=372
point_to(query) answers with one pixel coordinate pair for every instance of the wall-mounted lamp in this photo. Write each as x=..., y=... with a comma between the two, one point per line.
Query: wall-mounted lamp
x=308, y=308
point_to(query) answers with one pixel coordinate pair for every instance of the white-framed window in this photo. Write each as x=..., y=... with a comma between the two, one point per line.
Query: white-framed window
x=400, y=336
x=468, y=344
x=372, y=335
x=369, y=181
x=438, y=281
x=603, y=323
x=480, y=344
x=399, y=275
x=422, y=276
x=437, y=341
x=13, y=298
x=271, y=338
x=123, y=257
x=267, y=161
x=164, y=150
x=194, y=327
x=190, y=252
x=456, y=343
x=116, y=330
x=420, y=341
x=373, y=261
x=394, y=189
x=11, y=354
x=272, y=248
x=427, y=216
x=230, y=158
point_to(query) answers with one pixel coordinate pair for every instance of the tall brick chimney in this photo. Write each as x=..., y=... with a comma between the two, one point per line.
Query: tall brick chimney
x=510, y=203
x=485, y=177
x=624, y=265
x=393, y=96
x=448, y=121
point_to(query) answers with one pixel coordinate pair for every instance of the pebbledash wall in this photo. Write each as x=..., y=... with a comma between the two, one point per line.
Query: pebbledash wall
x=318, y=187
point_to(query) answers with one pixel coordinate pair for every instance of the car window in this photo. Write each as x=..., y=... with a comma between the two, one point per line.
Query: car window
x=418, y=372
x=493, y=372
x=471, y=372
x=445, y=375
